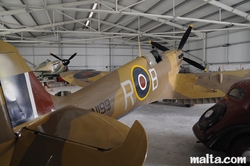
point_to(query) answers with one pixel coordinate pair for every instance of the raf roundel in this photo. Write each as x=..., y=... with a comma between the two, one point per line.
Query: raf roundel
x=141, y=82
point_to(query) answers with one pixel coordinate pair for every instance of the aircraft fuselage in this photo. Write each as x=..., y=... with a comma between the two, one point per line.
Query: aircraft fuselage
x=137, y=83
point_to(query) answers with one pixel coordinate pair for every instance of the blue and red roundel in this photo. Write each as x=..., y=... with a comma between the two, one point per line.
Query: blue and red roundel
x=141, y=82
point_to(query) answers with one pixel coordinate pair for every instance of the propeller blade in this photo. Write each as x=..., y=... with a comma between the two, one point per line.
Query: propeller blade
x=181, y=45
x=185, y=37
x=159, y=46
x=72, y=56
x=195, y=64
x=55, y=56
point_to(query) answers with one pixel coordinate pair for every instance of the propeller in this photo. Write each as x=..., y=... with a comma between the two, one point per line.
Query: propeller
x=181, y=45
x=159, y=46
x=185, y=37
x=195, y=64
x=64, y=61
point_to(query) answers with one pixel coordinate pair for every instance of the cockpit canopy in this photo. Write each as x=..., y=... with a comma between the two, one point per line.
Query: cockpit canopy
x=153, y=57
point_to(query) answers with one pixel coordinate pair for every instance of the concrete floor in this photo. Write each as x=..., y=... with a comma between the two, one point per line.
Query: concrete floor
x=169, y=130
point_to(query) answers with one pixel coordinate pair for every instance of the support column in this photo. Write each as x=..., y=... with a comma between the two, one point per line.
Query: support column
x=204, y=58
x=110, y=60
x=60, y=46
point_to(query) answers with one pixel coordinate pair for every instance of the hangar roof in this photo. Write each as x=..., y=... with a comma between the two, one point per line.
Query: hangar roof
x=88, y=21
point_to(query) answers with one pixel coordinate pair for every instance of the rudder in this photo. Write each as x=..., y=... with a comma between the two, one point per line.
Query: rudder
x=24, y=95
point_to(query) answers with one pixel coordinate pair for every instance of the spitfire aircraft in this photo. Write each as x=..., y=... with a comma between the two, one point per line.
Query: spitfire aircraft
x=53, y=68
x=81, y=129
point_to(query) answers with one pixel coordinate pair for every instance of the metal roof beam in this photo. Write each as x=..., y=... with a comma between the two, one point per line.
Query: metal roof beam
x=41, y=28
x=117, y=25
x=161, y=24
x=160, y=18
x=156, y=17
x=48, y=16
x=38, y=7
x=30, y=13
x=131, y=5
x=66, y=6
x=230, y=9
x=17, y=20
x=195, y=8
x=101, y=33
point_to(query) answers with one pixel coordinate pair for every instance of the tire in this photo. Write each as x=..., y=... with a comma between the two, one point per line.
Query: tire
x=240, y=148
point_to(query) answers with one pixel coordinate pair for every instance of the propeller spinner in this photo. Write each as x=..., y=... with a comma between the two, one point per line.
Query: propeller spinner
x=181, y=45
x=64, y=61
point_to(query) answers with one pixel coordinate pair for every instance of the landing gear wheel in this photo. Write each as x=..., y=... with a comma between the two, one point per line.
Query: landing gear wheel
x=240, y=148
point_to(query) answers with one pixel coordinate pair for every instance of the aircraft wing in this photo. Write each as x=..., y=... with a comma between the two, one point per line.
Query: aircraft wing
x=38, y=73
x=203, y=87
x=82, y=78
x=73, y=136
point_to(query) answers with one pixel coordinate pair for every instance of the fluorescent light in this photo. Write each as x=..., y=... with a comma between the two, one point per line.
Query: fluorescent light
x=94, y=6
x=91, y=13
x=87, y=23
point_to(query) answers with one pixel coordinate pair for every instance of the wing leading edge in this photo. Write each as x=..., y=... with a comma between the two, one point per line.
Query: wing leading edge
x=207, y=85
x=82, y=78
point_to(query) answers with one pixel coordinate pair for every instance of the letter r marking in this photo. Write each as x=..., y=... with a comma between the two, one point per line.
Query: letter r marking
x=128, y=94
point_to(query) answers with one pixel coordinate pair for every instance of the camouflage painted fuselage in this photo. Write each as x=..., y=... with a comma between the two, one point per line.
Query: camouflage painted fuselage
x=135, y=84
x=74, y=124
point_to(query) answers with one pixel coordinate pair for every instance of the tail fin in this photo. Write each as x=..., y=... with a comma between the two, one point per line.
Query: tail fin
x=135, y=147
x=24, y=95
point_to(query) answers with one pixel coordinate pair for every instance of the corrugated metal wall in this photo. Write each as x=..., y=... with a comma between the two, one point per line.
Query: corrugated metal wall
x=94, y=56
x=227, y=50
x=107, y=57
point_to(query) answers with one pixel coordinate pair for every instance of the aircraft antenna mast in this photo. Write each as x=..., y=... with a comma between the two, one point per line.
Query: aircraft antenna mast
x=139, y=32
x=139, y=45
